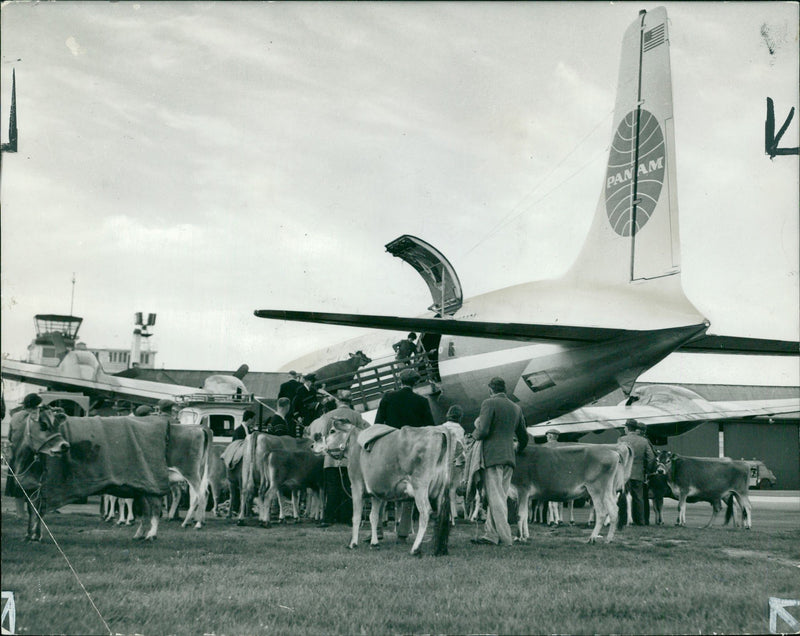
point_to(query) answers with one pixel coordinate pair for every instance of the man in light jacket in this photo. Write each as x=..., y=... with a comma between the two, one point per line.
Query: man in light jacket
x=499, y=423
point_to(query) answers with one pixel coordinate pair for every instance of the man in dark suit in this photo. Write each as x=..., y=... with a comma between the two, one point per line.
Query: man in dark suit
x=499, y=422
x=289, y=388
x=404, y=408
x=305, y=404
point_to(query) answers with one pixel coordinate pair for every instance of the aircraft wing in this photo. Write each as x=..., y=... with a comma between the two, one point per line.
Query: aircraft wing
x=664, y=410
x=79, y=373
x=526, y=331
x=731, y=344
x=450, y=326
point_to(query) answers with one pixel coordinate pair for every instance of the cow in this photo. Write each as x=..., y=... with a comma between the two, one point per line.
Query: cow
x=253, y=466
x=53, y=454
x=710, y=479
x=658, y=488
x=289, y=472
x=339, y=375
x=404, y=463
x=568, y=471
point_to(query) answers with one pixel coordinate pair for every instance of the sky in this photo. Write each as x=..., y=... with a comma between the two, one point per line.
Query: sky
x=204, y=160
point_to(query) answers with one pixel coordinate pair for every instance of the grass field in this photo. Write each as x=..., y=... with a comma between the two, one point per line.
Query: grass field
x=301, y=580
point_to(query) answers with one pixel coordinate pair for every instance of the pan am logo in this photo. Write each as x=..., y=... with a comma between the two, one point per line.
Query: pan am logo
x=650, y=172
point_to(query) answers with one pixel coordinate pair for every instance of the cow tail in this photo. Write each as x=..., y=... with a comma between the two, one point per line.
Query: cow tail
x=205, y=479
x=442, y=532
x=622, y=507
x=729, y=511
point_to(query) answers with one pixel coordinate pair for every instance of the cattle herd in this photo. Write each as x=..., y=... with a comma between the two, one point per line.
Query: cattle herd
x=422, y=464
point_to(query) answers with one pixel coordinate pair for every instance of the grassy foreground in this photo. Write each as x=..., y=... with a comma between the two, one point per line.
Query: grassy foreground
x=301, y=579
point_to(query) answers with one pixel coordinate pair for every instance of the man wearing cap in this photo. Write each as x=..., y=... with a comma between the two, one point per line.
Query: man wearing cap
x=404, y=408
x=499, y=422
x=338, y=500
x=289, y=388
x=643, y=462
x=16, y=427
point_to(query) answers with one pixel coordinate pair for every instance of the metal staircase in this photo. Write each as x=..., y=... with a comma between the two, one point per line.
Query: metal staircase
x=370, y=383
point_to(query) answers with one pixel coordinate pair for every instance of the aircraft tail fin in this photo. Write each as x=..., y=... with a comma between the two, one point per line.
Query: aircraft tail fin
x=634, y=235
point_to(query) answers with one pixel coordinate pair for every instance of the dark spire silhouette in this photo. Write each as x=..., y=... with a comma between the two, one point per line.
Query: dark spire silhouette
x=11, y=146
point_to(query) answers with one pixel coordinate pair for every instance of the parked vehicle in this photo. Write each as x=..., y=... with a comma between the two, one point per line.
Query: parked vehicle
x=761, y=477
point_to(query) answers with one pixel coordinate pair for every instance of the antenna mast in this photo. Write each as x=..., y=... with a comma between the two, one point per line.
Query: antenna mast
x=72, y=296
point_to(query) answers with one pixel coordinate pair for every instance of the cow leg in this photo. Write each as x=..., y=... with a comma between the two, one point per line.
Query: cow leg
x=153, y=507
x=374, y=521
x=747, y=509
x=296, y=505
x=358, y=504
x=522, y=522
x=629, y=502
x=599, y=515
x=453, y=503
x=108, y=507
x=121, y=505
x=34, y=530
x=611, y=511
x=658, y=504
x=129, y=504
x=265, y=510
x=197, y=506
x=681, y=510
x=572, y=512
x=716, y=506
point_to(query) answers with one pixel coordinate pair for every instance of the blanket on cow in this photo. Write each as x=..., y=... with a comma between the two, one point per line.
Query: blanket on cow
x=472, y=467
x=114, y=454
x=369, y=435
x=233, y=453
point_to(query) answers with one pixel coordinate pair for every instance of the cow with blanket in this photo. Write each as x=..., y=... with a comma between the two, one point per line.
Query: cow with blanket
x=59, y=459
x=396, y=465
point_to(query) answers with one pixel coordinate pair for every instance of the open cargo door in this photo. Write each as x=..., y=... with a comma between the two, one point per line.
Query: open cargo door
x=435, y=269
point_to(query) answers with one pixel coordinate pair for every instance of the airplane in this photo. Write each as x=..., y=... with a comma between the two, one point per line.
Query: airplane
x=619, y=310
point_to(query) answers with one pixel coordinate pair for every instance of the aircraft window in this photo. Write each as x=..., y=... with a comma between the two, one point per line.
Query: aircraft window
x=538, y=381
x=221, y=424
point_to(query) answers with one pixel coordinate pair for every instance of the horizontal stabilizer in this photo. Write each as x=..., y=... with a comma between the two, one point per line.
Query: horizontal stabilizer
x=664, y=409
x=742, y=346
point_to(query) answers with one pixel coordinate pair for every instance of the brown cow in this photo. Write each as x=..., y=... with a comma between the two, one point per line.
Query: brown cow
x=257, y=449
x=289, y=472
x=406, y=463
x=568, y=471
x=339, y=375
x=710, y=479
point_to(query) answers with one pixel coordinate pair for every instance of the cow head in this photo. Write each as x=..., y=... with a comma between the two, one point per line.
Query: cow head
x=43, y=432
x=361, y=357
x=664, y=462
x=335, y=443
